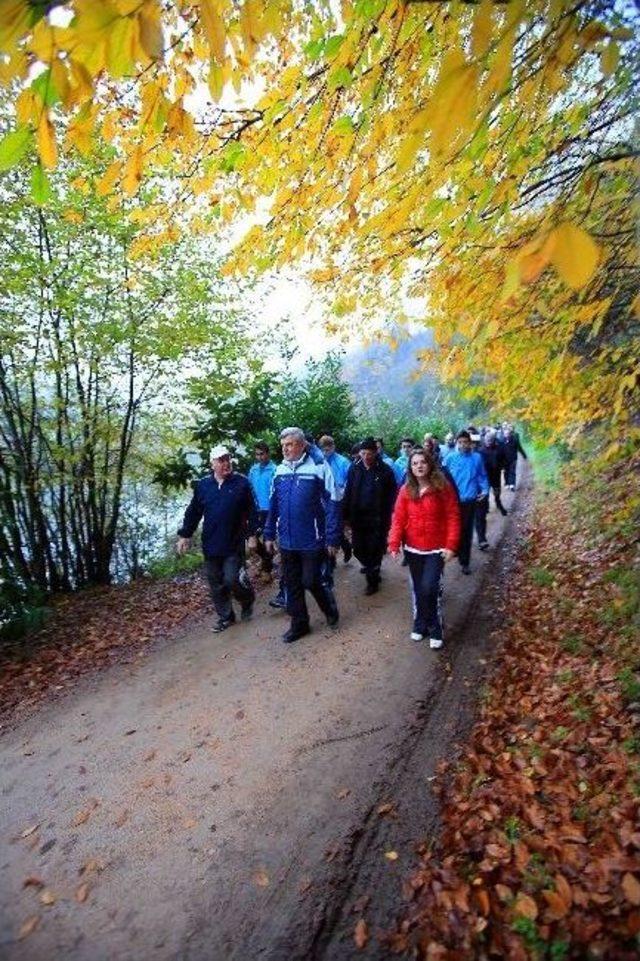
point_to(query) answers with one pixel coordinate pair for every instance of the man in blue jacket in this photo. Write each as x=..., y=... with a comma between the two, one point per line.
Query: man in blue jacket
x=261, y=478
x=304, y=513
x=467, y=470
x=339, y=468
x=226, y=502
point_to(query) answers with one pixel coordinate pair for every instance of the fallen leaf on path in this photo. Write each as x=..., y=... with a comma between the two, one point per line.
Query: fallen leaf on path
x=526, y=906
x=391, y=855
x=132, y=731
x=84, y=814
x=385, y=808
x=29, y=831
x=121, y=819
x=345, y=792
x=48, y=897
x=631, y=888
x=82, y=893
x=189, y=823
x=361, y=904
x=92, y=866
x=261, y=878
x=239, y=715
x=33, y=882
x=361, y=934
x=28, y=926
x=149, y=756
x=305, y=885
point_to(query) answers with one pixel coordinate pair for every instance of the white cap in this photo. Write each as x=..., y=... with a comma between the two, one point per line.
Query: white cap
x=219, y=451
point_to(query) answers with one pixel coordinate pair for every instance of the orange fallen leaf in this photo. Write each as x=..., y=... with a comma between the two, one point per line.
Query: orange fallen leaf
x=631, y=888
x=345, y=792
x=28, y=926
x=33, y=882
x=526, y=906
x=261, y=878
x=361, y=934
x=92, y=866
x=84, y=814
x=557, y=907
x=482, y=897
x=385, y=808
x=47, y=897
x=82, y=893
x=121, y=819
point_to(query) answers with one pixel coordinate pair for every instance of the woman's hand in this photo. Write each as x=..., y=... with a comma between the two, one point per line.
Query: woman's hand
x=447, y=554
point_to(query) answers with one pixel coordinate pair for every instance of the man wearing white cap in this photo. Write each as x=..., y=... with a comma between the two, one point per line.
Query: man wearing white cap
x=226, y=502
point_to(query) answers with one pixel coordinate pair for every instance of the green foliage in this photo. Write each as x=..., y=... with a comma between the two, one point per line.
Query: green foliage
x=393, y=421
x=172, y=564
x=22, y=608
x=630, y=683
x=541, y=576
x=547, y=460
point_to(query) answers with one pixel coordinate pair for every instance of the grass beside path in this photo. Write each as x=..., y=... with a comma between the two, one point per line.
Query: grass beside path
x=539, y=855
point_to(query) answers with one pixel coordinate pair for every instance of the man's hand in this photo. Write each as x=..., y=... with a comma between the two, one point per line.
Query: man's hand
x=183, y=545
x=332, y=551
x=447, y=554
x=270, y=547
x=252, y=542
x=395, y=554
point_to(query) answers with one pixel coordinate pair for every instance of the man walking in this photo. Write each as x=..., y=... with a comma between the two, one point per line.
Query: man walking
x=304, y=512
x=367, y=506
x=339, y=466
x=467, y=470
x=261, y=477
x=492, y=455
x=512, y=447
x=225, y=501
x=400, y=463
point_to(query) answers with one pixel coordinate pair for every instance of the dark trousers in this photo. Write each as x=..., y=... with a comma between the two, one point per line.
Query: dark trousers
x=223, y=575
x=307, y=570
x=467, y=514
x=510, y=474
x=480, y=519
x=369, y=546
x=266, y=559
x=426, y=578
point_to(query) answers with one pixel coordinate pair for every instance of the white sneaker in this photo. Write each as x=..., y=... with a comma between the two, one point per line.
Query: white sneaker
x=435, y=643
x=416, y=637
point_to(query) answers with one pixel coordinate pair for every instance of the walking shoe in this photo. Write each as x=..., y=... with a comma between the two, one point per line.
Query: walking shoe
x=348, y=552
x=484, y=545
x=435, y=643
x=333, y=619
x=415, y=636
x=503, y=512
x=363, y=570
x=278, y=602
x=295, y=634
x=371, y=589
x=223, y=623
x=465, y=569
x=246, y=612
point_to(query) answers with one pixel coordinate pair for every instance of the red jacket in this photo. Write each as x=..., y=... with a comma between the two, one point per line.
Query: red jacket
x=429, y=523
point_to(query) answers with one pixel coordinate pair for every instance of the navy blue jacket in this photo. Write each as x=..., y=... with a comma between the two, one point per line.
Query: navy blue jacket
x=304, y=510
x=229, y=511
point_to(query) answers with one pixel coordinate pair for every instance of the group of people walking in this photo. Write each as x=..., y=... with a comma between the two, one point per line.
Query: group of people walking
x=422, y=507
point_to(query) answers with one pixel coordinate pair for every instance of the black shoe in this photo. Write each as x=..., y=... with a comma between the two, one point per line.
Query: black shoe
x=504, y=512
x=223, y=623
x=246, y=612
x=363, y=570
x=484, y=545
x=278, y=602
x=466, y=569
x=295, y=634
x=333, y=619
x=348, y=553
x=371, y=589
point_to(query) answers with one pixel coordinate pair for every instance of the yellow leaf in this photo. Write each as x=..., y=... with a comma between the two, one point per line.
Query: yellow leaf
x=575, y=255
x=47, y=141
x=482, y=28
x=15, y=20
x=150, y=26
x=391, y=855
x=122, y=48
x=109, y=179
x=609, y=58
x=132, y=174
x=213, y=24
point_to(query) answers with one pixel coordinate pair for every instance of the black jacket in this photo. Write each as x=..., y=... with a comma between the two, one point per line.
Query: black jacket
x=385, y=494
x=512, y=447
x=230, y=514
x=494, y=462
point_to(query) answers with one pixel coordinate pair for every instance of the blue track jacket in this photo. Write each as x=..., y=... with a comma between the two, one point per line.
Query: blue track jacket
x=468, y=474
x=229, y=512
x=304, y=510
x=339, y=468
x=261, y=478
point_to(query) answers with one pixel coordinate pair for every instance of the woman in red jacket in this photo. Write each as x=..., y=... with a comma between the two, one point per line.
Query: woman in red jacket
x=426, y=521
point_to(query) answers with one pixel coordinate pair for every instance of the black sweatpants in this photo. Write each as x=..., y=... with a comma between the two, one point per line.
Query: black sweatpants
x=426, y=578
x=467, y=514
x=369, y=546
x=307, y=570
x=223, y=575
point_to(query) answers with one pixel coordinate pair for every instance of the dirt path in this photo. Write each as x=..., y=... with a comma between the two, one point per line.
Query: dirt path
x=222, y=796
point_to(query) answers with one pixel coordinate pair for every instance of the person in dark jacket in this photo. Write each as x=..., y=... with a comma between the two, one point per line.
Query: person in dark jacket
x=512, y=447
x=367, y=506
x=492, y=454
x=226, y=502
x=304, y=513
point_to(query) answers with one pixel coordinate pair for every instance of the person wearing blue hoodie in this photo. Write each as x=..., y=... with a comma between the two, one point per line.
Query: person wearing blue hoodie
x=305, y=515
x=466, y=467
x=261, y=478
x=339, y=468
x=401, y=462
